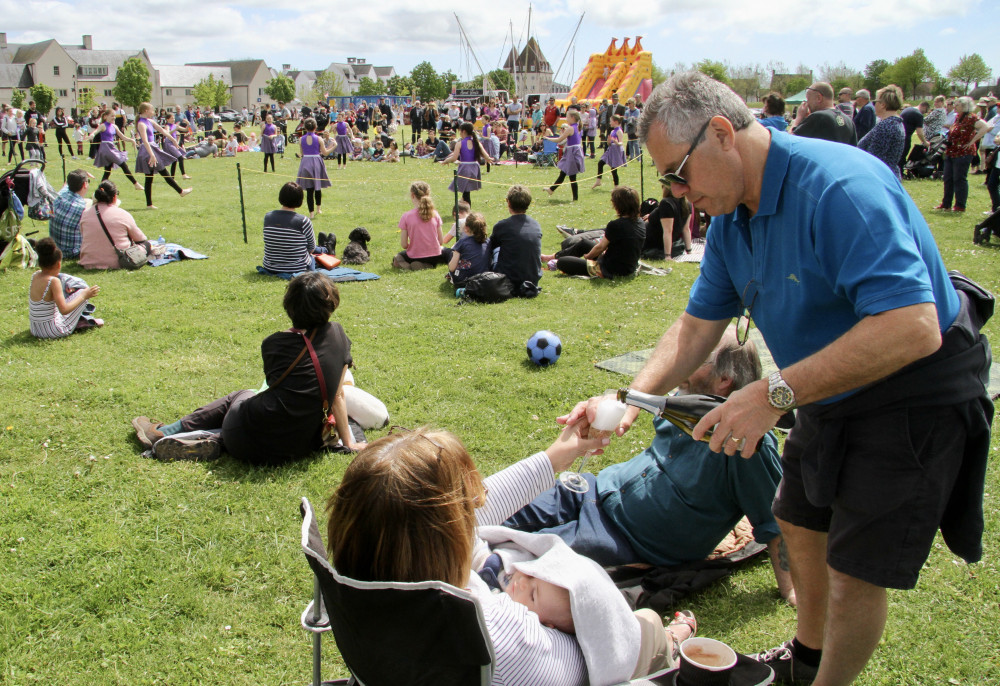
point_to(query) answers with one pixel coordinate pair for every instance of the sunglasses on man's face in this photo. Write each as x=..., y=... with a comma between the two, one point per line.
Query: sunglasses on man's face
x=673, y=177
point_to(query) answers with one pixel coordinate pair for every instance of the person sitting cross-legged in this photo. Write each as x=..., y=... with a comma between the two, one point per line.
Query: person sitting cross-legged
x=676, y=500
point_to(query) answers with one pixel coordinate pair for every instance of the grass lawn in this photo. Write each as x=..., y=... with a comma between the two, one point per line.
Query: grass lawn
x=119, y=569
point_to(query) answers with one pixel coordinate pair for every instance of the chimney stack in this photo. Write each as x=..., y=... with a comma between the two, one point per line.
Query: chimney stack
x=286, y=67
x=88, y=42
x=3, y=41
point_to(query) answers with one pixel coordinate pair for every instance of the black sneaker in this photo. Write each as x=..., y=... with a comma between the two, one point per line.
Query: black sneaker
x=186, y=447
x=787, y=670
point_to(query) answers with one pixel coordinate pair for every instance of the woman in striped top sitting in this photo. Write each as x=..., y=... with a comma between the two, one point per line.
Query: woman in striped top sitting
x=50, y=314
x=288, y=235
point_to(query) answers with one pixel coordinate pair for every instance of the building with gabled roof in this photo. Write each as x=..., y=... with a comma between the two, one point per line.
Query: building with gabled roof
x=532, y=72
x=249, y=78
x=176, y=83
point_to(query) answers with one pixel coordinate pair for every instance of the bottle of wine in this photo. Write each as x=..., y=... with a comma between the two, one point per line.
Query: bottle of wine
x=683, y=411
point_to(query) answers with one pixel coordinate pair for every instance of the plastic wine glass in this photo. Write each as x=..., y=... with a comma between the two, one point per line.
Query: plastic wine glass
x=609, y=415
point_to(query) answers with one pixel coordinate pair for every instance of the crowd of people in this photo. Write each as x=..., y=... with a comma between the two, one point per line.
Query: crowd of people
x=866, y=478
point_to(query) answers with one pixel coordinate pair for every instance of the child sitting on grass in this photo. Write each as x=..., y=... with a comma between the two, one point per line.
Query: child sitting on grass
x=50, y=314
x=471, y=255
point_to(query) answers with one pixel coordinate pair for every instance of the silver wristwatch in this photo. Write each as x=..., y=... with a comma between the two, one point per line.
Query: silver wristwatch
x=779, y=394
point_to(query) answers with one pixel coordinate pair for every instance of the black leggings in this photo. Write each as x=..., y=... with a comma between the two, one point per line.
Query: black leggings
x=574, y=266
x=268, y=156
x=588, y=139
x=342, y=159
x=572, y=183
x=314, y=193
x=149, y=184
x=20, y=144
x=125, y=170
x=179, y=162
x=61, y=138
x=600, y=171
x=467, y=197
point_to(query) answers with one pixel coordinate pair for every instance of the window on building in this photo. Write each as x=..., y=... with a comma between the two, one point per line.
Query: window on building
x=55, y=70
x=107, y=92
x=531, y=67
x=260, y=92
x=169, y=91
x=94, y=71
x=187, y=91
x=63, y=93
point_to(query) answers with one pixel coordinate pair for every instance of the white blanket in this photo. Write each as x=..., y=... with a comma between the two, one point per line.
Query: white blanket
x=606, y=629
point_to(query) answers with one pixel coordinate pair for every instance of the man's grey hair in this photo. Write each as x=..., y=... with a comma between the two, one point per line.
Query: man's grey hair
x=741, y=363
x=863, y=93
x=685, y=102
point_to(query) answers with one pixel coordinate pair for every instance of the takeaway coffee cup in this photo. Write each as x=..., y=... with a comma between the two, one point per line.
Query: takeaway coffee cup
x=705, y=662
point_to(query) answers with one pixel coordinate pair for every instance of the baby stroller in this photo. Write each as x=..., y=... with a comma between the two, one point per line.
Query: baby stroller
x=15, y=249
x=925, y=160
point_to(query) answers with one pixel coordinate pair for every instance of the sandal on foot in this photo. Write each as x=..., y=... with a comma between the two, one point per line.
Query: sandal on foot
x=683, y=618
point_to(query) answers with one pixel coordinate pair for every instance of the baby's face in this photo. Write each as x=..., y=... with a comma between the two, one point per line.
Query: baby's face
x=545, y=599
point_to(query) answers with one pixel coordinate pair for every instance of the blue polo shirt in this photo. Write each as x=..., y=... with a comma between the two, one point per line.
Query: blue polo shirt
x=835, y=239
x=677, y=499
x=775, y=122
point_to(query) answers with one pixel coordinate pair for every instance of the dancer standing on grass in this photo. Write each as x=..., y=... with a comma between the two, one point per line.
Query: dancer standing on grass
x=151, y=158
x=489, y=145
x=109, y=156
x=60, y=124
x=345, y=146
x=267, y=135
x=470, y=154
x=173, y=143
x=572, y=162
x=614, y=156
x=312, y=171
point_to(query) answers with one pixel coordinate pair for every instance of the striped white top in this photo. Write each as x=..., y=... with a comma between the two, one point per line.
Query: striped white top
x=45, y=319
x=288, y=241
x=527, y=653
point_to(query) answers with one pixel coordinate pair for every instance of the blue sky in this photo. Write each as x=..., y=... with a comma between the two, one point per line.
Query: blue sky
x=309, y=34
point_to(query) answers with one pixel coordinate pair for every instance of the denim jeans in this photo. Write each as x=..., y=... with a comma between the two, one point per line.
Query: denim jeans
x=578, y=519
x=993, y=186
x=956, y=180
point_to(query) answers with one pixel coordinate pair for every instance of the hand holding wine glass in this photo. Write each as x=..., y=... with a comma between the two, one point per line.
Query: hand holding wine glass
x=609, y=413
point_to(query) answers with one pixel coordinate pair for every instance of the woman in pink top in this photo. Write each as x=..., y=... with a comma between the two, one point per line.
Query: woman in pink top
x=420, y=233
x=96, y=251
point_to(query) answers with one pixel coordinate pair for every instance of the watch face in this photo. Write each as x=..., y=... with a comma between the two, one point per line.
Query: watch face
x=782, y=397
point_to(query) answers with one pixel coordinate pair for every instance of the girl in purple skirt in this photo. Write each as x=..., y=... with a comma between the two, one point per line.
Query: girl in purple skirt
x=614, y=156
x=571, y=163
x=267, y=135
x=470, y=154
x=345, y=145
x=488, y=145
x=312, y=171
x=108, y=156
x=174, y=143
x=152, y=158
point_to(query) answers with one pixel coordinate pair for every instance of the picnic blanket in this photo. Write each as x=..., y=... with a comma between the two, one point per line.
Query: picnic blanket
x=338, y=274
x=631, y=363
x=697, y=252
x=174, y=253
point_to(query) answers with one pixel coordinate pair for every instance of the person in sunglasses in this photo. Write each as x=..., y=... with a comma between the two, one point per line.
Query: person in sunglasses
x=819, y=117
x=821, y=247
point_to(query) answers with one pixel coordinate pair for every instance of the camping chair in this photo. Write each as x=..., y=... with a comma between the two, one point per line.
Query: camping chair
x=393, y=633
x=547, y=157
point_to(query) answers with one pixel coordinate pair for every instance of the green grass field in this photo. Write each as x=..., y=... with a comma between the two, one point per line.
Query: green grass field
x=116, y=569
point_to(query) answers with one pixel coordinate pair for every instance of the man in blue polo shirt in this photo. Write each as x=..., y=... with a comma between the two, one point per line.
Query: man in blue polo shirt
x=828, y=256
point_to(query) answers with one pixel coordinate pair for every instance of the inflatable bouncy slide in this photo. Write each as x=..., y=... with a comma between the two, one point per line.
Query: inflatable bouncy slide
x=625, y=70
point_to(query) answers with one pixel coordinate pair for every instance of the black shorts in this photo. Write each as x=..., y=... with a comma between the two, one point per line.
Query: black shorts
x=889, y=491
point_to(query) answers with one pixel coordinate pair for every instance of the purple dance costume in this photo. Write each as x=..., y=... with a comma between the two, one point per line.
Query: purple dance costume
x=312, y=171
x=345, y=146
x=572, y=160
x=107, y=154
x=266, y=143
x=487, y=140
x=614, y=156
x=163, y=158
x=468, y=168
x=168, y=143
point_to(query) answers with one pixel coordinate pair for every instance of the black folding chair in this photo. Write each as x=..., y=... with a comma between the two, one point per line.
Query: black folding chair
x=393, y=633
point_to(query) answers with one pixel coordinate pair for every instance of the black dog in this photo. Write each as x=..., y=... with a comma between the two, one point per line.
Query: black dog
x=356, y=251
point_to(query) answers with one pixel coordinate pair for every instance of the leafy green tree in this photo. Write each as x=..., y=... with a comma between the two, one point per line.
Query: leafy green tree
x=327, y=84
x=367, y=86
x=211, y=93
x=874, y=74
x=43, y=96
x=85, y=99
x=17, y=99
x=795, y=85
x=280, y=88
x=502, y=80
x=942, y=85
x=716, y=70
x=839, y=75
x=133, y=87
x=400, y=84
x=910, y=71
x=448, y=80
x=428, y=84
x=659, y=74
x=970, y=69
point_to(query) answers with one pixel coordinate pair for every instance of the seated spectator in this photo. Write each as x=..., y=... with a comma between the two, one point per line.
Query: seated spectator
x=64, y=227
x=288, y=235
x=285, y=421
x=516, y=244
x=96, y=250
x=888, y=138
x=442, y=151
x=52, y=311
x=773, y=114
x=392, y=154
x=617, y=251
x=420, y=233
x=668, y=231
x=676, y=500
x=205, y=148
x=232, y=146
x=470, y=256
x=378, y=151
